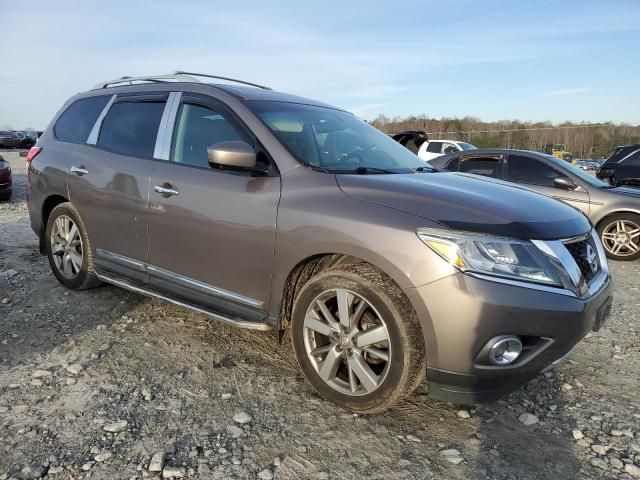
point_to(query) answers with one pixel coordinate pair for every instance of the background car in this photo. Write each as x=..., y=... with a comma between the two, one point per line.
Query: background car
x=622, y=167
x=615, y=211
x=6, y=182
x=435, y=148
x=9, y=139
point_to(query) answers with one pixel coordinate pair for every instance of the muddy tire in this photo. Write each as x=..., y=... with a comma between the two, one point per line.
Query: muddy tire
x=69, y=250
x=357, y=338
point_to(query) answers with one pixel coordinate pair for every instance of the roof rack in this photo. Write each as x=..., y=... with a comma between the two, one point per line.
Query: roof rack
x=177, y=76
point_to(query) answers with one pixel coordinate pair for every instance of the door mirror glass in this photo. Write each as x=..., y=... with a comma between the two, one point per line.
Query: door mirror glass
x=232, y=154
x=564, y=183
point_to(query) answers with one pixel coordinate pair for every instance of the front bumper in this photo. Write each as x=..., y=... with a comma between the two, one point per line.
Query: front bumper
x=461, y=313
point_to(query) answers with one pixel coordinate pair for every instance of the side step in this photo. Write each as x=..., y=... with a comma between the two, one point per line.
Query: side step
x=122, y=283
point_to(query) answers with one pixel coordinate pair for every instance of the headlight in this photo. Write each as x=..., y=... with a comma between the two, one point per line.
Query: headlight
x=489, y=255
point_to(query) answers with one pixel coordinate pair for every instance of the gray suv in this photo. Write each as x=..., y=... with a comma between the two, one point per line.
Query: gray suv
x=273, y=212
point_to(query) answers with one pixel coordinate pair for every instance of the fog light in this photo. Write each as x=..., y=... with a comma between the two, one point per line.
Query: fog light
x=505, y=350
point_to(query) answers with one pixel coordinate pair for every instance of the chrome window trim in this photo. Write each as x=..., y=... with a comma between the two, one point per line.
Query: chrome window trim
x=92, y=139
x=165, y=129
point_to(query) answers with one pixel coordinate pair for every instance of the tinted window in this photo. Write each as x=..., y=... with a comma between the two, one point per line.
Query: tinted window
x=619, y=154
x=434, y=147
x=529, y=170
x=453, y=165
x=130, y=128
x=487, y=166
x=633, y=159
x=75, y=124
x=198, y=128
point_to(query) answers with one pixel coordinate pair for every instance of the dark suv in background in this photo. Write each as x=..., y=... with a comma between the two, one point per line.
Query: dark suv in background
x=622, y=167
x=269, y=211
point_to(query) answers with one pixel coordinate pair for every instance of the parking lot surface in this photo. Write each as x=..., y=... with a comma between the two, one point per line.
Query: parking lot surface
x=96, y=384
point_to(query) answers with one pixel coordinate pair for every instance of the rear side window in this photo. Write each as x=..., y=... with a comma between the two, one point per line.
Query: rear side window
x=487, y=166
x=131, y=128
x=197, y=129
x=75, y=124
x=434, y=147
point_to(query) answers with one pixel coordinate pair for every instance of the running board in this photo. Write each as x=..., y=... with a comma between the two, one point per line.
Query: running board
x=118, y=282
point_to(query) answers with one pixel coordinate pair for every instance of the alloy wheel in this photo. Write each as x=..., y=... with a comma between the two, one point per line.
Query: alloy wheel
x=621, y=238
x=66, y=246
x=347, y=342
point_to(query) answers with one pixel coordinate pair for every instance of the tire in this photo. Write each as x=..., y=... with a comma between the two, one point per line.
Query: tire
x=5, y=197
x=620, y=236
x=387, y=311
x=74, y=274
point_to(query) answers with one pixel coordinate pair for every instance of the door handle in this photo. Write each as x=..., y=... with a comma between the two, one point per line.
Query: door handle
x=79, y=170
x=166, y=190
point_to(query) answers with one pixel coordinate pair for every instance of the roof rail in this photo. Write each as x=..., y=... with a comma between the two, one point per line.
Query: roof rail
x=146, y=78
x=177, y=76
x=192, y=74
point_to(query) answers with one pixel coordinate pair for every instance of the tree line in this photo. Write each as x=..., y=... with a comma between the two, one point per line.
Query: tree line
x=583, y=140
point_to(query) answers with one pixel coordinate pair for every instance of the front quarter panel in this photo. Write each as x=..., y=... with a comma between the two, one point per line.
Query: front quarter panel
x=605, y=203
x=315, y=217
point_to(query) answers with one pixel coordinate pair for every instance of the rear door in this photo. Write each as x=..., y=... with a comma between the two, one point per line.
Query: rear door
x=109, y=179
x=538, y=175
x=213, y=238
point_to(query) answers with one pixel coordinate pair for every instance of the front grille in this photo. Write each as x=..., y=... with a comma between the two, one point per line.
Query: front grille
x=585, y=253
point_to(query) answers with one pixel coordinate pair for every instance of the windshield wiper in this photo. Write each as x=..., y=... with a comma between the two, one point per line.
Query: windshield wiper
x=425, y=169
x=366, y=170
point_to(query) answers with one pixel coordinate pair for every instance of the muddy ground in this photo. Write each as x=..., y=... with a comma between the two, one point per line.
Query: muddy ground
x=93, y=384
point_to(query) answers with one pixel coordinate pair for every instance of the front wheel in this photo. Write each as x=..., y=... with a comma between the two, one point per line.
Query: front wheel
x=620, y=235
x=68, y=249
x=357, y=338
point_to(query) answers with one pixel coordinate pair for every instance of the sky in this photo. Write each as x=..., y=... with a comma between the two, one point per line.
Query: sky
x=537, y=60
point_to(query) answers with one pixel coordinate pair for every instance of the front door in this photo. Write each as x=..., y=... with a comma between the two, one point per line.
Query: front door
x=540, y=176
x=211, y=231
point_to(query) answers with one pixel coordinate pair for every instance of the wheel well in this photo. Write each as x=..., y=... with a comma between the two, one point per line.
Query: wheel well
x=47, y=207
x=300, y=274
x=617, y=212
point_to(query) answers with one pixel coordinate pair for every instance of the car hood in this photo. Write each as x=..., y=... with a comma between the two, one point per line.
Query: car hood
x=470, y=203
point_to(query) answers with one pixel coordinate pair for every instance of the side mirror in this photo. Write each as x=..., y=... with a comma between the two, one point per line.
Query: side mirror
x=232, y=154
x=564, y=183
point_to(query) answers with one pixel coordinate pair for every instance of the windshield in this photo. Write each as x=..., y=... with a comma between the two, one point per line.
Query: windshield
x=467, y=146
x=334, y=140
x=585, y=176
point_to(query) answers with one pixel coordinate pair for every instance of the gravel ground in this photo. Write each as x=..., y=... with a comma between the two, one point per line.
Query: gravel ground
x=107, y=384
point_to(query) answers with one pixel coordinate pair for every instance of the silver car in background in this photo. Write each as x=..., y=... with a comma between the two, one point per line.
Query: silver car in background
x=615, y=211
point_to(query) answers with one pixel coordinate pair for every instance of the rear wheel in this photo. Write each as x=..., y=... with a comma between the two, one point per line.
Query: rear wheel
x=357, y=338
x=69, y=250
x=620, y=235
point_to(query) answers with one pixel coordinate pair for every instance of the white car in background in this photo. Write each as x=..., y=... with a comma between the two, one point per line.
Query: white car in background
x=435, y=148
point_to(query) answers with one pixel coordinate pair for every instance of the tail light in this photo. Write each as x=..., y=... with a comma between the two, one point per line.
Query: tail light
x=33, y=153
